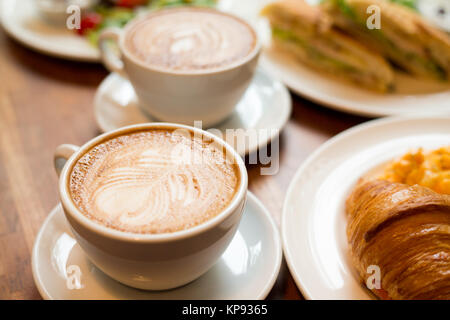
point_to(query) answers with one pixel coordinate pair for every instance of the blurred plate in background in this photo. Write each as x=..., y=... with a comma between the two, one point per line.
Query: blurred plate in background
x=22, y=21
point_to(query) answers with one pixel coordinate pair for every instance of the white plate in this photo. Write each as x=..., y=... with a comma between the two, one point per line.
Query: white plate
x=247, y=270
x=265, y=108
x=313, y=223
x=413, y=95
x=22, y=21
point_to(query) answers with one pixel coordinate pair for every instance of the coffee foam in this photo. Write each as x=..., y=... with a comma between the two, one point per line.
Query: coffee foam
x=138, y=183
x=190, y=39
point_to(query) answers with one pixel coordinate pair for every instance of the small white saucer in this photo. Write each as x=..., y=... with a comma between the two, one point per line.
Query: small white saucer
x=265, y=107
x=247, y=270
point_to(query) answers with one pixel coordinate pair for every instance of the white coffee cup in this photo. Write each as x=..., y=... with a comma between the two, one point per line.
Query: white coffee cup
x=181, y=96
x=150, y=261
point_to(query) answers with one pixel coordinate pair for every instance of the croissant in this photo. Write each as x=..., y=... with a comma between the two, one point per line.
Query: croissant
x=405, y=231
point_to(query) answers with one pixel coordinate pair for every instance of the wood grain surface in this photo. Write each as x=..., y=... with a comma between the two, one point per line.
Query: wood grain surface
x=46, y=101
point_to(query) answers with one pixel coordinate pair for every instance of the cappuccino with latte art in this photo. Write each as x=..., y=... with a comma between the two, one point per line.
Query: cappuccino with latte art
x=154, y=205
x=185, y=64
x=190, y=40
x=154, y=181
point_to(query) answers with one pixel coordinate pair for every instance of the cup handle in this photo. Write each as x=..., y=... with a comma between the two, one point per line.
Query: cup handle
x=62, y=154
x=112, y=59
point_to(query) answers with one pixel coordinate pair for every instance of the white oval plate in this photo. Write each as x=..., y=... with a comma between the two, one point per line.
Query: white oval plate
x=413, y=95
x=313, y=222
x=21, y=20
x=247, y=270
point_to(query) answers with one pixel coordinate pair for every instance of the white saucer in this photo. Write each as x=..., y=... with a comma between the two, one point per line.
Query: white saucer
x=247, y=270
x=22, y=21
x=313, y=223
x=265, y=106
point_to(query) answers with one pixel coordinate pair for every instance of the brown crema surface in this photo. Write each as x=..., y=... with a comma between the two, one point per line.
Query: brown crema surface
x=154, y=181
x=190, y=40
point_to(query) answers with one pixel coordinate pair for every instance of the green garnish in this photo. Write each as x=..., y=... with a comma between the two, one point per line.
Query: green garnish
x=113, y=16
x=287, y=35
x=345, y=9
x=407, y=3
x=175, y=3
x=348, y=11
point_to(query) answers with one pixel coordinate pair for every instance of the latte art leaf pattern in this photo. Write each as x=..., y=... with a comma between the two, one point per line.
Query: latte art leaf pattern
x=136, y=183
x=186, y=39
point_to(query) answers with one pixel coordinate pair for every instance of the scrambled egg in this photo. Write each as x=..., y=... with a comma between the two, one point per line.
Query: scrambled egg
x=430, y=170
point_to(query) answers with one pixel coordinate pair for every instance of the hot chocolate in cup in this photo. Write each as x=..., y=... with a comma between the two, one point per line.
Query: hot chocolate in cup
x=185, y=64
x=153, y=206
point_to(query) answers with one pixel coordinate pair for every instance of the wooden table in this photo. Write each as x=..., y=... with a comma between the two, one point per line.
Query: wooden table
x=45, y=102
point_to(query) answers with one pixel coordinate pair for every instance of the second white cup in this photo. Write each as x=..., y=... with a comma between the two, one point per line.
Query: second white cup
x=209, y=95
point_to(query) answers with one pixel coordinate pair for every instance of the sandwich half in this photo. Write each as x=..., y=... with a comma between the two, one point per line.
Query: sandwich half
x=307, y=33
x=404, y=37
